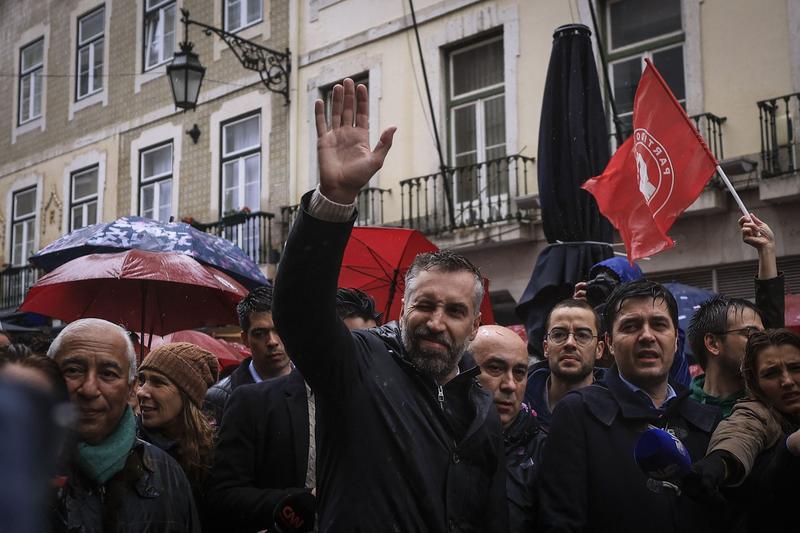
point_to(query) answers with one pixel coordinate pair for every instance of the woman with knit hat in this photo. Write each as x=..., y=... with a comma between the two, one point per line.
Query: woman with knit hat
x=173, y=380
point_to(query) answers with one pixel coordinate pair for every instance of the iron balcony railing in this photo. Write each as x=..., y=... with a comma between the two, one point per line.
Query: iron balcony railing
x=479, y=194
x=252, y=232
x=710, y=127
x=14, y=284
x=778, y=119
x=370, y=204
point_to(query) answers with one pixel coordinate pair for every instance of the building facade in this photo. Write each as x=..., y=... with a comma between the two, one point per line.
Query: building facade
x=92, y=133
x=734, y=65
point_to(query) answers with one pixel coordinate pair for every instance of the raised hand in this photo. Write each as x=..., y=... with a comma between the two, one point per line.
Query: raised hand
x=756, y=233
x=759, y=235
x=346, y=162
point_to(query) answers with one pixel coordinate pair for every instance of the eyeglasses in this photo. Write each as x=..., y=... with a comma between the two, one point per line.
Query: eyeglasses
x=744, y=332
x=560, y=336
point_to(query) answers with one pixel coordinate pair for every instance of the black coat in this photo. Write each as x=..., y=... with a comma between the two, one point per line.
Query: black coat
x=218, y=394
x=524, y=441
x=262, y=453
x=151, y=494
x=589, y=480
x=387, y=459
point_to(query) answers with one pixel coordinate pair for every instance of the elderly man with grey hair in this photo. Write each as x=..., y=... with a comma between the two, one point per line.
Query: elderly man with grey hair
x=117, y=482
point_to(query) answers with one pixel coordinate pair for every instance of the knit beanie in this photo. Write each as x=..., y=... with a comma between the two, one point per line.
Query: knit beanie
x=191, y=368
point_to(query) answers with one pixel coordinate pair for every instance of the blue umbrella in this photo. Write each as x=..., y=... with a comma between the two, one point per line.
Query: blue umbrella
x=689, y=299
x=145, y=234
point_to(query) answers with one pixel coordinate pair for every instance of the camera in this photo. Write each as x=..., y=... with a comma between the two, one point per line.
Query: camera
x=599, y=288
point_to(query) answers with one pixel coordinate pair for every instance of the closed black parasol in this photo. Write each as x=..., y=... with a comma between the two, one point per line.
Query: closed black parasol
x=573, y=147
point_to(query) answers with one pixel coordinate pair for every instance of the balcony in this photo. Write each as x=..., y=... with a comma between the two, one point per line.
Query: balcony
x=370, y=204
x=14, y=285
x=779, y=128
x=252, y=232
x=480, y=194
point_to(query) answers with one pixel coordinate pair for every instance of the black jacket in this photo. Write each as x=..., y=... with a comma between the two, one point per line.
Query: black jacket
x=151, y=494
x=387, y=458
x=218, y=394
x=262, y=451
x=524, y=441
x=589, y=480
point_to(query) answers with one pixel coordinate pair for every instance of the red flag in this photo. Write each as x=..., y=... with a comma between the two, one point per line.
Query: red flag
x=656, y=174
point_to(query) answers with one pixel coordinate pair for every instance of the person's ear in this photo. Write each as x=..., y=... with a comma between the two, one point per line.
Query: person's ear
x=475, y=325
x=607, y=342
x=243, y=336
x=544, y=348
x=598, y=351
x=711, y=343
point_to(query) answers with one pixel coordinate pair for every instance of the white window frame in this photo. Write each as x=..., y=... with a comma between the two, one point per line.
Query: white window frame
x=94, y=86
x=240, y=156
x=242, y=23
x=84, y=202
x=155, y=180
x=478, y=98
x=31, y=73
x=159, y=6
x=29, y=224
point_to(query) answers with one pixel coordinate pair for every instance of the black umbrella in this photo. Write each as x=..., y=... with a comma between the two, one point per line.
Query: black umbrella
x=573, y=147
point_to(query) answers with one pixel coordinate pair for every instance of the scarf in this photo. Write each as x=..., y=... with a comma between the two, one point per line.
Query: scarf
x=103, y=460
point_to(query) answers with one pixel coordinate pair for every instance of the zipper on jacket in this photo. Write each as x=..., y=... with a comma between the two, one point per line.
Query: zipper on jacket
x=101, y=492
x=440, y=395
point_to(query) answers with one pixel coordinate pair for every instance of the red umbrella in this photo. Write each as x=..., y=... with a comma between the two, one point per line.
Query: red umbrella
x=376, y=260
x=792, y=312
x=226, y=353
x=145, y=291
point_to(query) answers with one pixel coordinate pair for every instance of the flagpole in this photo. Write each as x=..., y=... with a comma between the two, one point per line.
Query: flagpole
x=735, y=194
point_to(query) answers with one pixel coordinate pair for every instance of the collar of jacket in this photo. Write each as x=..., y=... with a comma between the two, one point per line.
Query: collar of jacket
x=622, y=400
x=241, y=376
x=522, y=429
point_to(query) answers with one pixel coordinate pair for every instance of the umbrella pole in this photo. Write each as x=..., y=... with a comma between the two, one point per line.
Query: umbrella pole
x=392, y=290
x=141, y=342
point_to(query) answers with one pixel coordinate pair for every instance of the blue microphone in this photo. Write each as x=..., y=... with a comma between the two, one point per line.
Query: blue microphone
x=663, y=458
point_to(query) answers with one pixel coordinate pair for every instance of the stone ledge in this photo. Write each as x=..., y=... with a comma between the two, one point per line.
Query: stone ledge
x=780, y=189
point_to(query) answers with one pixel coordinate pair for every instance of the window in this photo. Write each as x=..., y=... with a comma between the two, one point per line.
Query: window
x=159, y=32
x=23, y=225
x=639, y=29
x=83, y=198
x=241, y=164
x=239, y=14
x=31, y=61
x=155, y=182
x=89, y=77
x=476, y=105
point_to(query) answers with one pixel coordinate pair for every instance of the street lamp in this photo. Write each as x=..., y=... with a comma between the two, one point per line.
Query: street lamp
x=185, y=75
x=186, y=72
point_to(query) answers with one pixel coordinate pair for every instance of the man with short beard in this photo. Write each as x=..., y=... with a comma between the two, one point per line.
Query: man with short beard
x=407, y=440
x=571, y=348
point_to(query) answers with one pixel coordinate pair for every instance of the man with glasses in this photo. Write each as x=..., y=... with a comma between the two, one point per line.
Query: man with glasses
x=571, y=348
x=589, y=479
x=718, y=335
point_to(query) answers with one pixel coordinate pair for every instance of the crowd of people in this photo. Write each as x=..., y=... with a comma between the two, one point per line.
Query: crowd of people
x=431, y=423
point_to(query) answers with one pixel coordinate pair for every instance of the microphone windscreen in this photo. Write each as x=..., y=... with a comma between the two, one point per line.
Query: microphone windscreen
x=295, y=513
x=662, y=456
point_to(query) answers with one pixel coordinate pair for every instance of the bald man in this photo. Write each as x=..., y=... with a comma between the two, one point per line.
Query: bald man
x=503, y=358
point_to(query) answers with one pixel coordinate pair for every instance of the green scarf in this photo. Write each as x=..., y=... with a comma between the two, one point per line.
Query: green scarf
x=726, y=404
x=103, y=460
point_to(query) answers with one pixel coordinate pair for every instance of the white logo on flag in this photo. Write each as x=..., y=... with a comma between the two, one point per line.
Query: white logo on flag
x=653, y=169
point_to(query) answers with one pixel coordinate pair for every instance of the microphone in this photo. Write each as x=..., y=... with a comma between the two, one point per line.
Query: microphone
x=295, y=513
x=663, y=458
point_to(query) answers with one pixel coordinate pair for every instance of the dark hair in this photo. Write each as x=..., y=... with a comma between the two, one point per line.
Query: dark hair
x=259, y=300
x=574, y=303
x=446, y=261
x=758, y=342
x=19, y=354
x=354, y=302
x=640, y=288
x=712, y=317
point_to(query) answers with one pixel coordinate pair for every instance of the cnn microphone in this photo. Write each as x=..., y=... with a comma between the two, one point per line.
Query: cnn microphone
x=663, y=458
x=295, y=513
